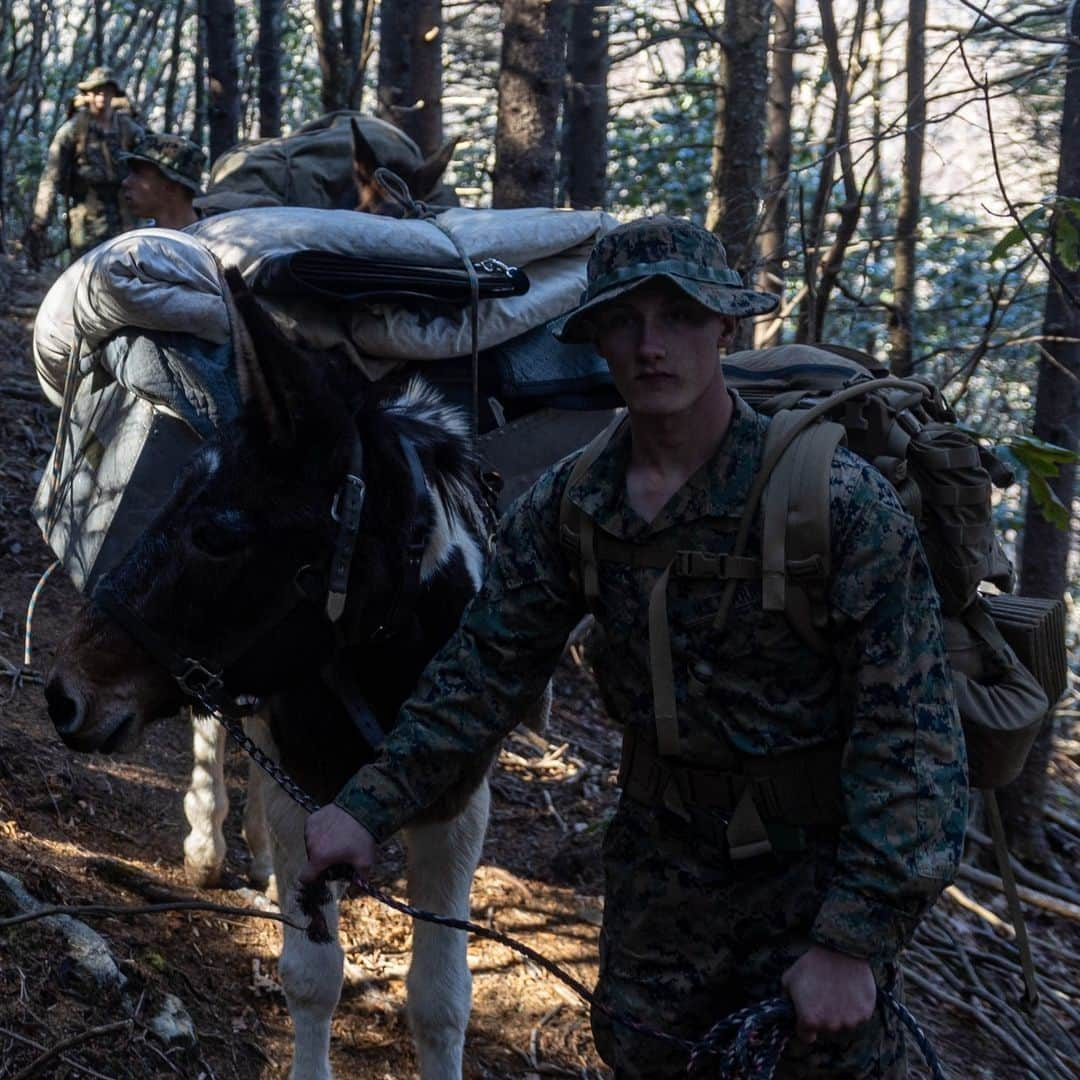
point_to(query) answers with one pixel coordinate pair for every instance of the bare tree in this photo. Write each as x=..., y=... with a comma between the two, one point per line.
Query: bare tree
x=530, y=87
x=585, y=107
x=269, y=54
x=344, y=44
x=410, y=70
x=1046, y=548
x=902, y=311
x=223, y=73
x=774, y=231
x=739, y=147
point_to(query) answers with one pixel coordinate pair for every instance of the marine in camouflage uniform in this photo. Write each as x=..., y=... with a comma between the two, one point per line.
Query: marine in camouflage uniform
x=84, y=166
x=691, y=933
x=164, y=175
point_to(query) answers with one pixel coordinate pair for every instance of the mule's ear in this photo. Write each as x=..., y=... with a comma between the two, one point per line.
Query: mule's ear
x=364, y=160
x=427, y=176
x=262, y=371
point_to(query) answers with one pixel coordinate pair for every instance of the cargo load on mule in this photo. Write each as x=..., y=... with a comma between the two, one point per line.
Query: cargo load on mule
x=134, y=344
x=325, y=164
x=1007, y=653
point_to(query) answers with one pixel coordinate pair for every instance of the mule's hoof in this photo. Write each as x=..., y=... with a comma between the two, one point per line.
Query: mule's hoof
x=201, y=876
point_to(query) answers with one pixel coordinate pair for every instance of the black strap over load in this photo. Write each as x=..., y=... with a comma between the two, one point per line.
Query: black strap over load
x=330, y=276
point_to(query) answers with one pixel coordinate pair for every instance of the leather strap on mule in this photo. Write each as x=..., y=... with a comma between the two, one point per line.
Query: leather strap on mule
x=347, y=510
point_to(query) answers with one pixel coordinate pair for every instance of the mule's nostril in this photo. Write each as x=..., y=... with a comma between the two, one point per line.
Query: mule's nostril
x=63, y=709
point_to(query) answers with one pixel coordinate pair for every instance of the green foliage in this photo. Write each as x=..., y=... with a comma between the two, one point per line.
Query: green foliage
x=1057, y=218
x=1043, y=462
x=660, y=159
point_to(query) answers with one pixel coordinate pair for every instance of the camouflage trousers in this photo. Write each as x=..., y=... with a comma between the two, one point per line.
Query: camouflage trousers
x=99, y=215
x=690, y=937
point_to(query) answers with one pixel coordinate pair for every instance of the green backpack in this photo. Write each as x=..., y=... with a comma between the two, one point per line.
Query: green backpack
x=1007, y=654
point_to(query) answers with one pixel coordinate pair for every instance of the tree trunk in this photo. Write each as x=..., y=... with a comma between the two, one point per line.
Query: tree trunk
x=530, y=88
x=737, y=185
x=199, y=123
x=99, y=32
x=410, y=70
x=223, y=73
x=778, y=165
x=328, y=44
x=907, y=218
x=1044, y=562
x=269, y=53
x=175, y=48
x=585, y=109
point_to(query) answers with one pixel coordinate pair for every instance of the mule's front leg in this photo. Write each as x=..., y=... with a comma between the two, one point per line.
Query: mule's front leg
x=442, y=861
x=206, y=803
x=310, y=974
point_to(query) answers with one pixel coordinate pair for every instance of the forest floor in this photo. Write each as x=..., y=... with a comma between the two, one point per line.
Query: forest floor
x=79, y=830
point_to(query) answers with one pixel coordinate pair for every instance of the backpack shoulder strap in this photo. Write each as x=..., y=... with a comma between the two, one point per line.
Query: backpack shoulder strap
x=576, y=530
x=795, y=541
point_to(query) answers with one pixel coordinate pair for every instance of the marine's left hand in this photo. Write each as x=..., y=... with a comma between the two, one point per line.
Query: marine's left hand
x=831, y=992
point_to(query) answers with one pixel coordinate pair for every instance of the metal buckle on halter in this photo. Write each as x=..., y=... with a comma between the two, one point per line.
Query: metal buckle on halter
x=356, y=482
x=197, y=679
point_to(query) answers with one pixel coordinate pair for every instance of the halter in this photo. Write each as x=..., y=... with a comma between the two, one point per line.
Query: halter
x=202, y=679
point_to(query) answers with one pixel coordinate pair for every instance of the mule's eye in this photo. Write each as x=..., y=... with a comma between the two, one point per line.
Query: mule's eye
x=221, y=536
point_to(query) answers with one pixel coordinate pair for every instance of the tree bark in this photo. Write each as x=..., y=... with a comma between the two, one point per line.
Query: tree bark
x=585, y=107
x=174, y=65
x=328, y=43
x=1044, y=561
x=269, y=54
x=902, y=312
x=774, y=230
x=223, y=73
x=199, y=125
x=737, y=178
x=410, y=70
x=530, y=88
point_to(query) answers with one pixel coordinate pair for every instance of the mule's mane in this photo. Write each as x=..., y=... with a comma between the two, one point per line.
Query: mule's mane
x=440, y=431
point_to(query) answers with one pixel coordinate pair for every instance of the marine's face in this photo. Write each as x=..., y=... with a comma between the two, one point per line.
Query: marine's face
x=101, y=99
x=663, y=347
x=145, y=189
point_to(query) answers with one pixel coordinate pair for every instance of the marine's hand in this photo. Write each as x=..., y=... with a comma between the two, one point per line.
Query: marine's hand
x=831, y=992
x=334, y=839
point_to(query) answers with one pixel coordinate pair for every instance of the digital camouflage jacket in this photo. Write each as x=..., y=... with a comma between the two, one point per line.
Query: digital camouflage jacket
x=885, y=693
x=84, y=165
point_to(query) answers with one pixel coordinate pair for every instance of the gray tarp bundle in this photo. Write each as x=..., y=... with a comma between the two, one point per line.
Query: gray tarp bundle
x=140, y=327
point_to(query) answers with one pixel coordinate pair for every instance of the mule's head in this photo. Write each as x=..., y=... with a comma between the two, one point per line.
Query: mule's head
x=218, y=577
x=421, y=179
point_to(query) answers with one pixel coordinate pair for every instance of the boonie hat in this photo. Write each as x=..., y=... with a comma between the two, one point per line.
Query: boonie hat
x=178, y=158
x=673, y=248
x=99, y=77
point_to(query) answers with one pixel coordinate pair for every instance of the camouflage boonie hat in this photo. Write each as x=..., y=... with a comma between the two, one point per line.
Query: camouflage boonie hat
x=178, y=158
x=673, y=248
x=99, y=77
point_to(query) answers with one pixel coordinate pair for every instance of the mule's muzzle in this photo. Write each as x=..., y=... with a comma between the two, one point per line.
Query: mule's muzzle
x=73, y=716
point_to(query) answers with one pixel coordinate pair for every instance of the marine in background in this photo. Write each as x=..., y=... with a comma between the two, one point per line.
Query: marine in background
x=84, y=168
x=164, y=174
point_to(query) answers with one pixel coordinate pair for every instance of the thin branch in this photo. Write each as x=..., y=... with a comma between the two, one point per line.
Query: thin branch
x=35, y=1066
x=91, y=911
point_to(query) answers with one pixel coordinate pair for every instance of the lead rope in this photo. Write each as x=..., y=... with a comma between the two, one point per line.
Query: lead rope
x=748, y=1043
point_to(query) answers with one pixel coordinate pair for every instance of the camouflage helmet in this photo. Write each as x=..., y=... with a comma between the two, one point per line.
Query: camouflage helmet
x=178, y=158
x=99, y=77
x=662, y=247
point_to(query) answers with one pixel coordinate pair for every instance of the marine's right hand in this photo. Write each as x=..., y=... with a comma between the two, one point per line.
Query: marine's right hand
x=334, y=838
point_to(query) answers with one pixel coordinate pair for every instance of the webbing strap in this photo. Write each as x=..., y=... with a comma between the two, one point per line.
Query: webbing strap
x=955, y=495
x=1016, y=913
x=662, y=669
